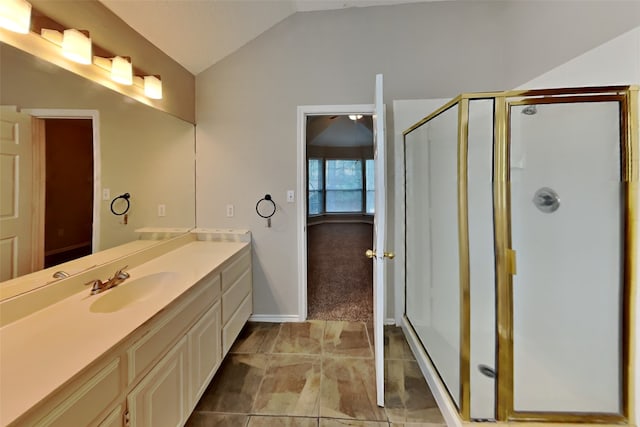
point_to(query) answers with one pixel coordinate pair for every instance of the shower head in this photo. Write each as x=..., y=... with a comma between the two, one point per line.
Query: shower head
x=530, y=110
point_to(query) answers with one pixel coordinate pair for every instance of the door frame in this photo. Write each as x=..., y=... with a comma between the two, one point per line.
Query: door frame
x=303, y=112
x=94, y=116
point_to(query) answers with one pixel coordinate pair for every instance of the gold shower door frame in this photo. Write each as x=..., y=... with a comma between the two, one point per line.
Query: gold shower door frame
x=627, y=97
x=505, y=257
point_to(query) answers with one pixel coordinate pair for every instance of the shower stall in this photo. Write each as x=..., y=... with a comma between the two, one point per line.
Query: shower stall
x=520, y=252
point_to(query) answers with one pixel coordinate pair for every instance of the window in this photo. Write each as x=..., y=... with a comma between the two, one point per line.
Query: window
x=371, y=186
x=344, y=186
x=315, y=193
x=340, y=186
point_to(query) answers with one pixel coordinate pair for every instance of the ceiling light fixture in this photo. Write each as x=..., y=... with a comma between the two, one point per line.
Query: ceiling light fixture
x=355, y=117
x=122, y=70
x=15, y=15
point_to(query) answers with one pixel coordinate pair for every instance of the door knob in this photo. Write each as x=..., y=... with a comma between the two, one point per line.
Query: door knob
x=372, y=254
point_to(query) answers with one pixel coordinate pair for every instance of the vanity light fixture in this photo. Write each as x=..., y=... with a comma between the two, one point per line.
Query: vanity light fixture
x=153, y=87
x=76, y=44
x=355, y=117
x=15, y=15
x=122, y=70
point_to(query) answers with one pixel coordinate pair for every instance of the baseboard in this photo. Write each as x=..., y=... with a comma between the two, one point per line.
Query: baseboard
x=281, y=318
x=284, y=318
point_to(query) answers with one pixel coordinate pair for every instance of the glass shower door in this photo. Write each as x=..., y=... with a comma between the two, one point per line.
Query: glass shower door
x=567, y=228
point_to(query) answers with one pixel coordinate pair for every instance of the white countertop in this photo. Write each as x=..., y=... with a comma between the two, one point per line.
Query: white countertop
x=41, y=352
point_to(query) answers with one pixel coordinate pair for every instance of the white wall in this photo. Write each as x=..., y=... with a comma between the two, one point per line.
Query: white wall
x=246, y=104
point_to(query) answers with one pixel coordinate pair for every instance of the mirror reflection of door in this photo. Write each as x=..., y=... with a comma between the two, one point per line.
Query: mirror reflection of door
x=68, y=190
x=340, y=208
x=16, y=171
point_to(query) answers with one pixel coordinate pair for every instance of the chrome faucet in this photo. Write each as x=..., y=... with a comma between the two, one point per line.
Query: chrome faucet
x=98, y=285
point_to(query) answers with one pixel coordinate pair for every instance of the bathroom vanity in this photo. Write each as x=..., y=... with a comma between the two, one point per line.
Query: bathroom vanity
x=139, y=354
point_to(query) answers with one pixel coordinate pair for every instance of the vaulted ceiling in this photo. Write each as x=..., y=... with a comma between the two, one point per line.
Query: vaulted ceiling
x=199, y=33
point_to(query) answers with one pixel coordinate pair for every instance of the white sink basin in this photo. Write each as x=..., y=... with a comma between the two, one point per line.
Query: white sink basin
x=133, y=290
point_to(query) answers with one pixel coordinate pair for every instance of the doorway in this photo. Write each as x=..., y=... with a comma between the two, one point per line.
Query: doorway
x=338, y=210
x=68, y=143
x=68, y=225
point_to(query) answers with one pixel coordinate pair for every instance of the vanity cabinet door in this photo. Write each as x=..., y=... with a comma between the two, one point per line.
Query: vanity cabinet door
x=161, y=398
x=205, y=352
x=92, y=396
x=114, y=419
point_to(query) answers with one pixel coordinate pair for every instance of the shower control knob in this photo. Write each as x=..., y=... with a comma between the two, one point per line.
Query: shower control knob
x=546, y=200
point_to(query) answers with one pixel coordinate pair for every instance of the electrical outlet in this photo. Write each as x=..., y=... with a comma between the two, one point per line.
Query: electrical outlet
x=106, y=194
x=291, y=196
x=229, y=211
x=162, y=210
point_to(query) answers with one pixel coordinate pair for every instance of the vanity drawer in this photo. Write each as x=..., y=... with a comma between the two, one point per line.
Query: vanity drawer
x=89, y=400
x=235, y=270
x=231, y=330
x=146, y=351
x=232, y=297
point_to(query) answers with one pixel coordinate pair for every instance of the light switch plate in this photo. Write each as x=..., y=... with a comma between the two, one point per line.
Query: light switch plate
x=291, y=196
x=229, y=211
x=162, y=210
x=106, y=194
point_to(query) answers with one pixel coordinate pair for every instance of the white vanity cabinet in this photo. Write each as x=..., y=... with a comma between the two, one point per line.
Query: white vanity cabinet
x=162, y=397
x=237, y=301
x=155, y=376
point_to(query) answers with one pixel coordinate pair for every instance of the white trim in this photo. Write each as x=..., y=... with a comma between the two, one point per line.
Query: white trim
x=446, y=406
x=94, y=115
x=276, y=318
x=303, y=112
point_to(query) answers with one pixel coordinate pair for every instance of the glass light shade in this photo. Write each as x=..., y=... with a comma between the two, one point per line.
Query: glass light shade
x=153, y=87
x=76, y=46
x=121, y=70
x=15, y=15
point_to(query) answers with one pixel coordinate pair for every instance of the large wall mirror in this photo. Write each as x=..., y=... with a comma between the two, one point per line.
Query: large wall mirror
x=132, y=148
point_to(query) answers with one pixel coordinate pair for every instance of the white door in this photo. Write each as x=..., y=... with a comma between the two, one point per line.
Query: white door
x=15, y=193
x=379, y=239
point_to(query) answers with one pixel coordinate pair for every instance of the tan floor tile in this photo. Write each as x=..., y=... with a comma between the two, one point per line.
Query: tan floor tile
x=346, y=339
x=256, y=337
x=235, y=385
x=303, y=338
x=348, y=390
x=267, y=421
x=407, y=396
x=370, y=333
x=291, y=386
x=211, y=419
x=333, y=422
x=422, y=424
x=395, y=344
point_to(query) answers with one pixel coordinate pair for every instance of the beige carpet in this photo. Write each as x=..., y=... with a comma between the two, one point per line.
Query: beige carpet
x=339, y=276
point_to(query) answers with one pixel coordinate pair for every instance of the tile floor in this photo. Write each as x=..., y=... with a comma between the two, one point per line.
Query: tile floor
x=315, y=374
